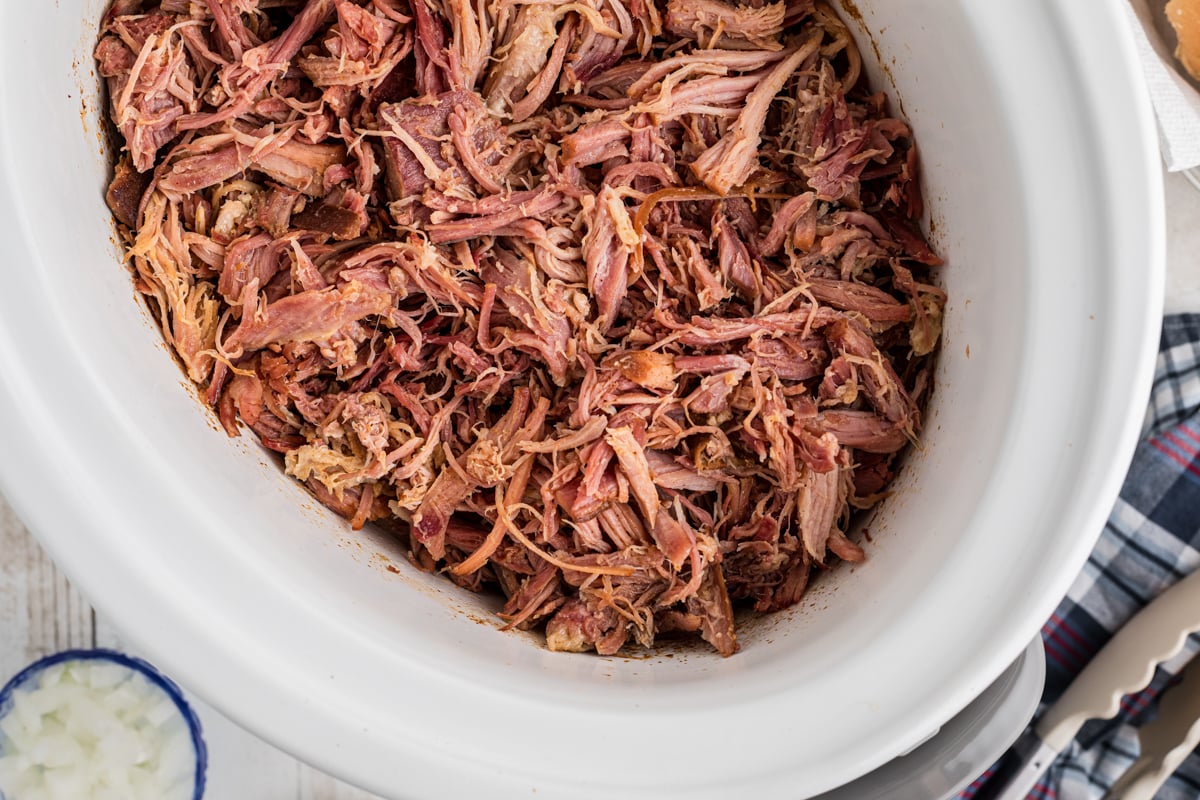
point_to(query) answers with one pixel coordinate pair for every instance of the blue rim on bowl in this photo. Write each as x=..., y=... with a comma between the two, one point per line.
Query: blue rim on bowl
x=130, y=662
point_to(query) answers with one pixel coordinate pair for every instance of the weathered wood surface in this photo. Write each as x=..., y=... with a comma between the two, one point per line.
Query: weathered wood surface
x=41, y=613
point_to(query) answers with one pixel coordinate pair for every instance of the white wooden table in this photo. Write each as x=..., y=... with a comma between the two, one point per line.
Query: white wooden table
x=41, y=613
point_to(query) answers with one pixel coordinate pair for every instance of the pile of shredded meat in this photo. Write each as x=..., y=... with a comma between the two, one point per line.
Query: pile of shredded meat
x=620, y=307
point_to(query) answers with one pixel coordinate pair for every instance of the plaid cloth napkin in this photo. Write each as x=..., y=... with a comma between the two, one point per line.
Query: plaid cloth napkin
x=1151, y=540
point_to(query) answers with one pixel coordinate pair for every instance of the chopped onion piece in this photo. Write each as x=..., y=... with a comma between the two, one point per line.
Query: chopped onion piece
x=98, y=729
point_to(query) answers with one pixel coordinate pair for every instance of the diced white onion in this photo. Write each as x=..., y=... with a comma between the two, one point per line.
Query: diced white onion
x=95, y=729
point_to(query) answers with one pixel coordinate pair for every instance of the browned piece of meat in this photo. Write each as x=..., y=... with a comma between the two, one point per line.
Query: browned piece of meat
x=712, y=604
x=576, y=628
x=619, y=310
x=342, y=215
x=716, y=23
x=416, y=151
x=125, y=192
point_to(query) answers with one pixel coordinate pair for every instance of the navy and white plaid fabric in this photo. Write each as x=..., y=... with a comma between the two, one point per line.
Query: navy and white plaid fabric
x=1151, y=540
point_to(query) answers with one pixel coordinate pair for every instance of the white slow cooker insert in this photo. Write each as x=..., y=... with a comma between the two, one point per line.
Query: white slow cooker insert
x=1042, y=180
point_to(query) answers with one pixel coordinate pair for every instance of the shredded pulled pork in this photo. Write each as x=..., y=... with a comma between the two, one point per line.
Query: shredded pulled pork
x=622, y=311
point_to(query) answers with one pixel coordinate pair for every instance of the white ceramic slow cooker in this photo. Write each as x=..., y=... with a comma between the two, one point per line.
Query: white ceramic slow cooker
x=1043, y=182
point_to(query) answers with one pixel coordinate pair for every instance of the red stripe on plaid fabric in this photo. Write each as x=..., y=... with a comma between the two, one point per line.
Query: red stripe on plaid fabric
x=1188, y=448
x=1188, y=432
x=1056, y=651
x=1138, y=702
x=1042, y=791
x=1131, y=704
x=1075, y=658
x=1134, y=704
x=1176, y=457
x=1085, y=648
x=969, y=792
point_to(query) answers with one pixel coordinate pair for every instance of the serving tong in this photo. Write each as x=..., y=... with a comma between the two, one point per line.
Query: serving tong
x=1125, y=665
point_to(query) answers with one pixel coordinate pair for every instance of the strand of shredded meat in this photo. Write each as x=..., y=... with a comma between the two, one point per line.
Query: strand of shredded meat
x=618, y=310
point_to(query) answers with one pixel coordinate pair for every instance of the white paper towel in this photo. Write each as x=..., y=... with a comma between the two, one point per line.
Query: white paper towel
x=1176, y=100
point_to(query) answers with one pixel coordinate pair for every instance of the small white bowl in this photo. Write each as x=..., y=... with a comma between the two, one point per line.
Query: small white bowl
x=30, y=676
